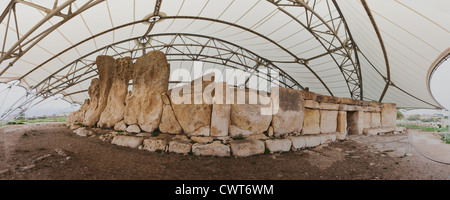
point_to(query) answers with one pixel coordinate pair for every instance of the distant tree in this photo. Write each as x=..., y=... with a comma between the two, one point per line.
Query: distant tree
x=400, y=115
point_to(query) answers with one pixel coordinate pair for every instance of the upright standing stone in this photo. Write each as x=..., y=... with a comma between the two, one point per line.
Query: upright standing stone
x=311, y=121
x=328, y=121
x=388, y=114
x=115, y=108
x=342, y=122
x=288, y=110
x=94, y=95
x=77, y=117
x=144, y=105
x=221, y=110
x=191, y=108
x=169, y=123
x=105, y=66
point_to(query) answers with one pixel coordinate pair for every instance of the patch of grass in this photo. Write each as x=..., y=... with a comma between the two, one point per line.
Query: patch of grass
x=158, y=151
x=155, y=134
x=119, y=131
x=190, y=153
x=266, y=151
x=253, y=163
x=42, y=149
x=424, y=128
x=24, y=135
x=445, y=137
x=239, y=137
x=193, y=142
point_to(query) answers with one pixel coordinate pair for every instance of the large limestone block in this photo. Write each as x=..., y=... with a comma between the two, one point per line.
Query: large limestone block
x=388, y=114
x=328, y=121
x=169, y=123
x=313, y=141
x=94, y=94
x=144, y=105
x=251, y=113
x=221, y=110
x=311, y=121
x=193, y=109
x=115, y=108
x=127, y=141
x=180, y=146
x=298, y=142
x=77, y=117
x=120, y=126
x=288, y=116
x=279, y=145
x=375, y=119
x=312, y=104
x=83, y=132
x=328, y=106
x=367, y=120
x=214, y=149
x=155, y=145
x=105, y=67
x=344, y=107
x=244, y=148
x=306, y=95
x=328, y=99
x=342, y=122
x=235, y=131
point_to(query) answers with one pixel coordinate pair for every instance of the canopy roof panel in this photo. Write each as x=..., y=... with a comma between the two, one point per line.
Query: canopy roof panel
x=363, y=49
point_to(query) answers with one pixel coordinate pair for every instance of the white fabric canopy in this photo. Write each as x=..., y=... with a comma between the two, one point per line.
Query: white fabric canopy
x=330, y=47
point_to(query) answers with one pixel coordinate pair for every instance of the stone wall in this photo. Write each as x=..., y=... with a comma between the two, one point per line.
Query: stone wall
x=212, y=118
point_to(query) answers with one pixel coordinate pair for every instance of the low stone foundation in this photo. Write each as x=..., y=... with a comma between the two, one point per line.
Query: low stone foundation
x=202, y=117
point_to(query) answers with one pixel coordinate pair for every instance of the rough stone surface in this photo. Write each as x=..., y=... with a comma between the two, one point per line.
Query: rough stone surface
x=328, y=106
x=235, y=131
x=127, y=141
x=221, y=111
x=388, y=114
x=328, y=138
x=257, y=137
x=77, y=117
x=342, y=122
x=115, y=107
x=133, y=129
x=105, y=67
x=309, y=95
x=202, y=131
x=191, y=109
x=376, y=119
x=144, y=105
x=288, y=116
x=169, y=123
x=120, y=126
x=270, y=131
x=155, y=144
x=344, y=107
x=313, y=141
x=83, y=132
x=367, y=120
x=379, y=130
x=328, y=121
x=298, y=142
x=278, y=145
x=180, y=146
x=202, y=139
x=311, y=122
x=94, y=94
x=311, y=104
x=244, y=148
x=214, y=149
x=165, y=98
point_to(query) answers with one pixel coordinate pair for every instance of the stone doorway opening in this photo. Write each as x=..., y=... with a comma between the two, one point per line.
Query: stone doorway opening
x=352, y=122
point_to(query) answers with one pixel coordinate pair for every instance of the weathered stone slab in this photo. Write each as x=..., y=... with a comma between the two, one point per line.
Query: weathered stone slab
x=375, y=119
x=379, y=130
x=349, y=101
x=221, y=111
x=202, y=131
x=367, y=120
x=180, y=146
x=115, y=106
x=311, y=121
x=308, y=95
x=105, y=67
x=244, y=148
x=279, y=145
x=328, y=138
x=127, y=141
x=94, y=95
x=249, y=116
x=214, y=149
x=342, y=122
x=312, y=104
x=298, y=142
x=144, y=105
x=328, y=99
x=202, y=139
x=156, y=144
x=288, y=116
x=313, y=141
x=328, y=121
x=169, y=123
x=328, y=106
x=344, y=107
x=191, y=108
x=235, y=131
x=388, y=114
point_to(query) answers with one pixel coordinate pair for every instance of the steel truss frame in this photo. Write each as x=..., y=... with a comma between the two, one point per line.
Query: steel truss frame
x=336, y=40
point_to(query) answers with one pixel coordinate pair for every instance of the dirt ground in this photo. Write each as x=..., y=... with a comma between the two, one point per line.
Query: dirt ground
x=51, y=151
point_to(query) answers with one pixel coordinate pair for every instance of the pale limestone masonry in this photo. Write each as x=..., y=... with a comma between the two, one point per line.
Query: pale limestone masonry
x=206, y=120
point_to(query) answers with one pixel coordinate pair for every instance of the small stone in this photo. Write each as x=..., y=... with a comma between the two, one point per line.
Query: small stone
x=4, y=171
x=133, y=129
x=60, y=152
x=155, y=144
x=43, y=157
x=28, y=167
x=270, y=131
x=83, y=132
x=120, y=126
